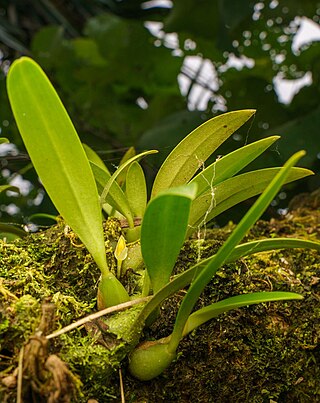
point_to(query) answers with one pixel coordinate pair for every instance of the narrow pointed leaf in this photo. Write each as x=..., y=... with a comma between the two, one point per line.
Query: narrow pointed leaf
x=233, y=191
x=182, y=280
x=212, y=311
x=226, y=249
x=57, y=153
x=229, y=165
x=188, y=156
x=136, y=189
x=163, y=232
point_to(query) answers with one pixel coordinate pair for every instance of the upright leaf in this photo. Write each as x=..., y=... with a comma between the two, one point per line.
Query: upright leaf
x=136, y=189
x=189, y=155
x=57, y=153
x=163, y=232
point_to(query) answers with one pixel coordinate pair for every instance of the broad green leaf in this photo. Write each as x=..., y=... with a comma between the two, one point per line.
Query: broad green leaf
x=136, y=189
x=163, y=232
x=226, y=249
x=233, y=191
x=94, y=157
x=189, y=155
x=229, y=165
x=57, y=153
x=121, y=168
x=182, y=280
x=4, y=188
x=116, y=197
x=3, y=140
x=212, y=311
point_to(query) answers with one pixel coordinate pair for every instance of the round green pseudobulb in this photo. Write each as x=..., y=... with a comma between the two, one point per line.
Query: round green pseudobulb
x=111, y=292
x=150, y=359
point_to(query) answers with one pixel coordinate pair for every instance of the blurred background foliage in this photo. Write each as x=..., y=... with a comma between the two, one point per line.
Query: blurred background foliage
x=145, y=73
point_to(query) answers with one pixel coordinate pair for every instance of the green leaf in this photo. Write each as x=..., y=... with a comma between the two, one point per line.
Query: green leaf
x=189, y=155
x=57, y=153
x=12, y=229
x=116, y=197
x=130, y=153
x=163, y=232
x=136, y=189
x=182, y=280
x=121, y=168
x=212, y=311
x=233, y=191
x=94, y=157
x=225, y=251
x=43, y=215
x=3, y=140
x=227, y=166
x=4, y=188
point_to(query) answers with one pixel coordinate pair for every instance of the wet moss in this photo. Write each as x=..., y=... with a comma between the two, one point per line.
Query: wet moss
x=263, y=353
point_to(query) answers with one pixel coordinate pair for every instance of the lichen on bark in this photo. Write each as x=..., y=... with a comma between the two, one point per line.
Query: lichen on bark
x=263, y=353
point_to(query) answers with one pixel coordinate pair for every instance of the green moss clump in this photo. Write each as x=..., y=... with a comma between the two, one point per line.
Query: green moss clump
x=263, y=353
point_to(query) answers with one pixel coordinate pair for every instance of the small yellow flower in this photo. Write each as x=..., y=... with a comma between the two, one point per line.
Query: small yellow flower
x=120, y=253
x=121, y=249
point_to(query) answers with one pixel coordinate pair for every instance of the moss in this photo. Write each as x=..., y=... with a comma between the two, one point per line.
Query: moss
x=263, y=353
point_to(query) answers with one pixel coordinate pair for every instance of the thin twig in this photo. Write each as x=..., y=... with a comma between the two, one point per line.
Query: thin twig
x=20, y=374
x=97, y=315
x=121, y=387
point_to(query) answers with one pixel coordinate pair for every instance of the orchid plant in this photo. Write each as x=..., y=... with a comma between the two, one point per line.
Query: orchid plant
x=184, y=197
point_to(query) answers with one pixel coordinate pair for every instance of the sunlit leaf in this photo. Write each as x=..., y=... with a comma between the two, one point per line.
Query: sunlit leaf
x=189, y=155
x=57, y=153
